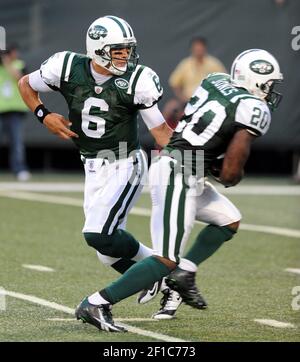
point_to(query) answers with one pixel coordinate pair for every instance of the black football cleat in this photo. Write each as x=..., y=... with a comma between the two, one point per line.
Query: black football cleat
x=183, y=282
x=98, y=315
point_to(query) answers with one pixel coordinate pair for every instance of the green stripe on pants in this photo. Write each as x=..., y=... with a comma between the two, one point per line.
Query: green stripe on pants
x=180, y=219
x=167, y=211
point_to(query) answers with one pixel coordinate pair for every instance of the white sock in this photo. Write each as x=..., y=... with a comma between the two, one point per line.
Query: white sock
x=142, y=253
x=96, y=299
x=187, y=265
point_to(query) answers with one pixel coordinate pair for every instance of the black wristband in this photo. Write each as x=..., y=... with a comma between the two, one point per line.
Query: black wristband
x=41, y=112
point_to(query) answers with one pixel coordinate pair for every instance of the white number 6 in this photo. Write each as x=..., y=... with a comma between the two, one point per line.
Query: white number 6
x=93, y=126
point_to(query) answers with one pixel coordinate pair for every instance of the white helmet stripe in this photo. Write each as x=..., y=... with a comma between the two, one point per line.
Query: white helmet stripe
x=238, y=58
x=246, y=52
x=122, y=26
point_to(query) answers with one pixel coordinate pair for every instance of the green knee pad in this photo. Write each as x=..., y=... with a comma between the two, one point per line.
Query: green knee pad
x=120, y=244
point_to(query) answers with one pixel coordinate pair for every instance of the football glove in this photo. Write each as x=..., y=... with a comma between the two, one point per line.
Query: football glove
x=216, y=167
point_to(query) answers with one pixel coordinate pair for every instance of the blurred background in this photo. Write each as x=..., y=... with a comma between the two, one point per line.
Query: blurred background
x=164, y=30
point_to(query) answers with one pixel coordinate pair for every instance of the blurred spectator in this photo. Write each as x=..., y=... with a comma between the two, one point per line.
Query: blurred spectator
x=280, y=3
x=187, y=76
x=12, y=110
x=190, y=71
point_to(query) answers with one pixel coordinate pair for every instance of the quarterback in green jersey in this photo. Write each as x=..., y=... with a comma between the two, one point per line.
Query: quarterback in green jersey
x=105, y=91
x=224, y=116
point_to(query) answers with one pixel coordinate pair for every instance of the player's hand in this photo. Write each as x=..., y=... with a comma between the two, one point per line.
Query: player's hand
x=58, y=125
x=216, y=168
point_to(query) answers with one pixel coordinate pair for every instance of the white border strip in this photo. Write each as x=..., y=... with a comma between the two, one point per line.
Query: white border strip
x=62, y=308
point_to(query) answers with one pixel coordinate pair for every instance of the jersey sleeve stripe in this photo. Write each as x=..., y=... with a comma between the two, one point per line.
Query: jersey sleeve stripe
x=120, y=25
x=132, y=78
x=136, y=78
x=64, y=68
x=68, y=69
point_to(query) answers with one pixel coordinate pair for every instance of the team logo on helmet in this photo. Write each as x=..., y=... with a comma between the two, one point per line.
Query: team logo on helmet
x=97, y=31
x=261, y=67
x=121, y=83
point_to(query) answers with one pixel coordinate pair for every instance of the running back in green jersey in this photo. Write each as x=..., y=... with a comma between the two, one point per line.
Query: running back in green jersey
x=214, y=113
x=103, y=115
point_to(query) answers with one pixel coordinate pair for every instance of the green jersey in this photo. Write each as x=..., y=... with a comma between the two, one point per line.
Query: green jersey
x=103, y=114
x=214, y=113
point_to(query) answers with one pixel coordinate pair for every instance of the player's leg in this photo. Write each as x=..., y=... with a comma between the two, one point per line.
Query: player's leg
x=110, y=192
x=122, y=264
x=175, y=223
x=173, y=214
x=223, y=219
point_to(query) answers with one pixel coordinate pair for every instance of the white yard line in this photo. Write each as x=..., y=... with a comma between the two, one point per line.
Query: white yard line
x=293, y=233
x=62, y=308
x=274, y=323
x=277, y=190
x=51, y=199
x=116, y=320
x=43, y=186
x=293, y=270
x=292, y=190
x=139, y=211
x=280, y=190
x=38, y=268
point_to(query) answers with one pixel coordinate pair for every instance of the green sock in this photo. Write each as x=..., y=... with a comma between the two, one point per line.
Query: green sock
x=140, y=276
x=208, y=242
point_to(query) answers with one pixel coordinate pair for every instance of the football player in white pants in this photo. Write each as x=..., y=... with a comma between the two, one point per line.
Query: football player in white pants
x=241, y=106
x=105, y=90
x=226, y=113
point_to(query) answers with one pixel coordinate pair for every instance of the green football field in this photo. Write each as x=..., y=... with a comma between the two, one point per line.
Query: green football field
x=245, y=283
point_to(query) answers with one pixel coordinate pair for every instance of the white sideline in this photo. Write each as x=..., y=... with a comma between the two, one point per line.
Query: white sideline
x=43, y=186
x=274, y=323
x=139, y=211
x=62, y=308
x=38, y=268
x=293, y=270
x=260, y=189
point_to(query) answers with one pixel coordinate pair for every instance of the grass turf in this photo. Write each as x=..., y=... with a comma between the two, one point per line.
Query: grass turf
x=243, y=281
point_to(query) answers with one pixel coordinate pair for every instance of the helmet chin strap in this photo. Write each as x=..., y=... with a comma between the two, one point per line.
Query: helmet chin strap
x=110, y=67
x=117, y=71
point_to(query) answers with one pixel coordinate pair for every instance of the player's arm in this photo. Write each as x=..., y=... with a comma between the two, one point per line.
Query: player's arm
x=162, y=134
x=147, y=93
x=157, y=125
x=253, y=119
x=32, y=84
x=236, y=157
